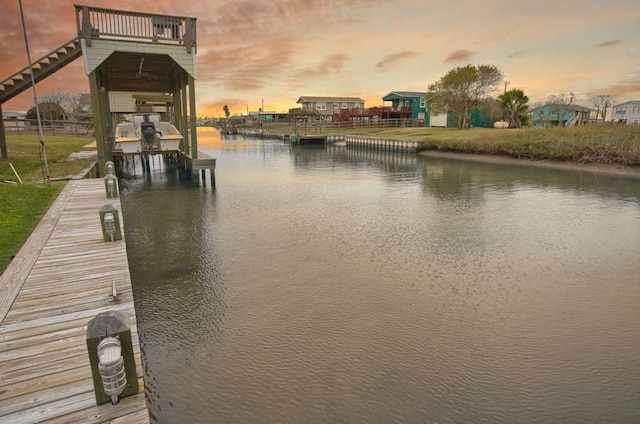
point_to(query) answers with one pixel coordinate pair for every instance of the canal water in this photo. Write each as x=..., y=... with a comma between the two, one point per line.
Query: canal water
x=336, y=285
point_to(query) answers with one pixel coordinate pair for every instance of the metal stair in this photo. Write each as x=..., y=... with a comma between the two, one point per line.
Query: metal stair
x=42, y=68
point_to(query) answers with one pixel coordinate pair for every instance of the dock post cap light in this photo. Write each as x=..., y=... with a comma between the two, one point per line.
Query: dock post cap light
x=111, y=367
x=110, y=224
x=113, y=362
x=110, y=168
x=111, y=186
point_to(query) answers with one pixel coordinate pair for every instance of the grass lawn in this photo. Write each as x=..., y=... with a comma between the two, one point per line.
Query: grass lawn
x=23, y=205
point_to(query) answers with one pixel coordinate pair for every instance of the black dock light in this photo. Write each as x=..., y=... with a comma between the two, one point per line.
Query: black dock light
x=111, y=367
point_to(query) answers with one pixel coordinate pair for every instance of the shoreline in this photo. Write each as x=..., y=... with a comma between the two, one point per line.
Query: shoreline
x=621, y=171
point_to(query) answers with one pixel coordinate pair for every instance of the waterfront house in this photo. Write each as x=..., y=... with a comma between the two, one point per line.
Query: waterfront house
x=408, y=104
x=562, y=115
x=627, y=112
x=327, y=107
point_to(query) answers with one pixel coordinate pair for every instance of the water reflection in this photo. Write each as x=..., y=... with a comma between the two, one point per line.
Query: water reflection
x=170, y=231
x=341, y=285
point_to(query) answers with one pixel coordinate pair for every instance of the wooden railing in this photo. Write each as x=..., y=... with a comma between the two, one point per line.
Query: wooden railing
x=99, y=23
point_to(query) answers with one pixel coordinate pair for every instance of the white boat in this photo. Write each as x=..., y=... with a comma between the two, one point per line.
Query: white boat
x=147, y=133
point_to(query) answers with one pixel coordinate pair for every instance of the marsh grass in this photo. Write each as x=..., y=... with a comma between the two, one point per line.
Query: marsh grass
x=611, y=144
x=602, y=143
x=23, y=205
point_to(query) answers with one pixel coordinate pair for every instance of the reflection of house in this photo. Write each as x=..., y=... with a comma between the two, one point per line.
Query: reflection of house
x=628, y=112
x=562, y=115
x=407, y=104
x=328, y=106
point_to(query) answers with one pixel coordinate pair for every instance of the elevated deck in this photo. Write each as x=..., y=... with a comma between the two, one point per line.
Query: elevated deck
x=62, y=278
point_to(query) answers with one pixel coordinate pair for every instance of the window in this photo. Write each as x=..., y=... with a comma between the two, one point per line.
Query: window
x=336, y=106
x=321, y=106
x=344, y=106
x=636, y=109
x=621, y=111
x=423, y=102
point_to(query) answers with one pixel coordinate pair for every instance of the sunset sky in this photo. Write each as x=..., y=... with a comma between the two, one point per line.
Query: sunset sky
x=279, y=50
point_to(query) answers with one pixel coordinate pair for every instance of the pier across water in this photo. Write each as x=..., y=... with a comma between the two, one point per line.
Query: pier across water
x=62, y=278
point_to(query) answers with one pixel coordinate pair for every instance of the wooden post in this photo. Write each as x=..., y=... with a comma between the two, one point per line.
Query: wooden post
x=98, y=119
x=193, y=117
x=4, y=153
x=185, y=126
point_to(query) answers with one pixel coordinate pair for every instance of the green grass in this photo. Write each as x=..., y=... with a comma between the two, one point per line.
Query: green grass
x=602, y=143
x=24, y=154
x=23, y=205
x=611, y=144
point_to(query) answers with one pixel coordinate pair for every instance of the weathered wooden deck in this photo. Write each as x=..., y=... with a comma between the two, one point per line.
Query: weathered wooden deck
x=61, y=279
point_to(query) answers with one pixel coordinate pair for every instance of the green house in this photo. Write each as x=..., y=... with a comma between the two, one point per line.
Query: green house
x=407, y=104
x=562, y=115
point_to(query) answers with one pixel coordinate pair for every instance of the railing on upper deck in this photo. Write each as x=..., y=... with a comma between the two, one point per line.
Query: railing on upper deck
x=99, y=23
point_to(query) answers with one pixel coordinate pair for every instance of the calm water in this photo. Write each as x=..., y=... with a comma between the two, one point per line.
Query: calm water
x=331, y=285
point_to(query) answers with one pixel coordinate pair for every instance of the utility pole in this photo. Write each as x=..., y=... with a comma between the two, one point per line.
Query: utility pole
x=505, y=85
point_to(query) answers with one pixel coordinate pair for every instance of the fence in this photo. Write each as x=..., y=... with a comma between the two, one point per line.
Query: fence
x=49, y=127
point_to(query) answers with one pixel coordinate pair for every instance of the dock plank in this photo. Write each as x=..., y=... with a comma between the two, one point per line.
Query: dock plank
x=59, y=281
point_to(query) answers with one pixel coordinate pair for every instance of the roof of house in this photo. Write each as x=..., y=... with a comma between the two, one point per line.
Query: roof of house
x=629, y=102
x=565, y=107
x=312, y=99
x=407, y=94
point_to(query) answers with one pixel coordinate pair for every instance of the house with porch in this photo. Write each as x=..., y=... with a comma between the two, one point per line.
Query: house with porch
x=327, y=107
x=407, y=104
x=562, y=115
x=627, y=112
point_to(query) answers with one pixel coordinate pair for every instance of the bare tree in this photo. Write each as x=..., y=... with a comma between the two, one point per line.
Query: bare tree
x=602, y=102
x=562, y=99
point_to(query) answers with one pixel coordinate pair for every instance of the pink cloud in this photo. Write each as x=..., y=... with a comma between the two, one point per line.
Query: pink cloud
x=394, y=58
x=459, y=56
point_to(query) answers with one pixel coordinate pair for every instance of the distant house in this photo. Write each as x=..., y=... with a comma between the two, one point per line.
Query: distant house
x=627, y=112
x=326, y=107
x=562, y=115
x=408, y=104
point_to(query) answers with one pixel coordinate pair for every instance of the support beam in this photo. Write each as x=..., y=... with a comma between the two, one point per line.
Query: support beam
x=101, y=119
x=185, y=124
x=4, y=153
x=193, y=118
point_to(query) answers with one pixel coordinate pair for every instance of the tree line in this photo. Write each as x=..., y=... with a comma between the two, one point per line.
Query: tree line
x=463, y=89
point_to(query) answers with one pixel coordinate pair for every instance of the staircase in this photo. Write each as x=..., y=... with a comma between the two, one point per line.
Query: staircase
x=573, y=121
x=42, y=68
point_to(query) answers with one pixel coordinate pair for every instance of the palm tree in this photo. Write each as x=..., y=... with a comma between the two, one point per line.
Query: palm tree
x=514, y=106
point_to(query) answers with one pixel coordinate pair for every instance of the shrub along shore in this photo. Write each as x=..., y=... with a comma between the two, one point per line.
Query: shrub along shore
x=22, y=205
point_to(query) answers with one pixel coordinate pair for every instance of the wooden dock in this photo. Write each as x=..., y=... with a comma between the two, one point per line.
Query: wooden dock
x=62, y=278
